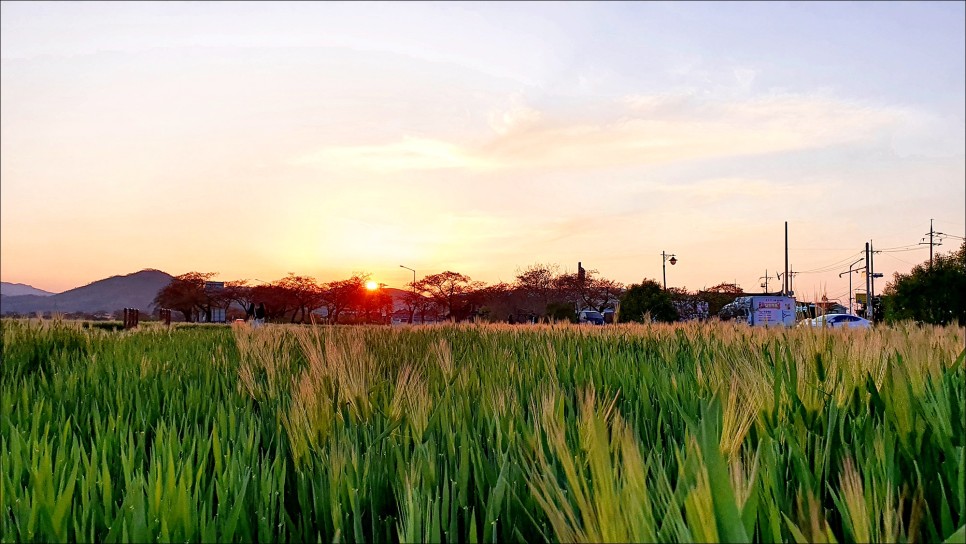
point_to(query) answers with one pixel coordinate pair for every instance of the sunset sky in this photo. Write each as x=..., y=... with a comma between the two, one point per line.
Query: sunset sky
x=256, y=139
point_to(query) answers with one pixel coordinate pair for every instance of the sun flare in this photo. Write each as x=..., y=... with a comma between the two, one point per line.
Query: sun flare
x=371, y=285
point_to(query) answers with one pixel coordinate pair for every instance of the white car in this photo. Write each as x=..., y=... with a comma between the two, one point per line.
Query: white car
x=838, y=321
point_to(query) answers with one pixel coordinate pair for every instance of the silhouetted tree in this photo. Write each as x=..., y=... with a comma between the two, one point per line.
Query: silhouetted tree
x=237, y=292
x=186, y=294
x=496, y=301
x=935, y=294
x=647, y=298
x=718, y=296
x=587, y=290
x=375, y=302
x=341, y=295
x=538, y=286
x=449, y=291
x=303, y=295
x=277, y=299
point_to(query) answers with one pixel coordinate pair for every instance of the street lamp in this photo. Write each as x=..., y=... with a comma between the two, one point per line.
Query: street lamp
x=849, y=272
x=412, y=316
x=666, y=257
x=387, y=309
x=414, y=276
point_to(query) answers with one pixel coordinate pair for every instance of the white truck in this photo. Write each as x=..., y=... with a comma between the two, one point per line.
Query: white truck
x=763, y=310
x=771, y=311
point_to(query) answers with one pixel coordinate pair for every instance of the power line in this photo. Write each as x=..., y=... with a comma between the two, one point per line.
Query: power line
x=829, y=267
x=947, y=221
x=900, y=260
x=839, y=297
x=900, y=250
x=820, y=249
x=909, y=246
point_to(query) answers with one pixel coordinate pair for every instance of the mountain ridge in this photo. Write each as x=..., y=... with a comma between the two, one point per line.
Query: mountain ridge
x=135, y=290
x=19, y=289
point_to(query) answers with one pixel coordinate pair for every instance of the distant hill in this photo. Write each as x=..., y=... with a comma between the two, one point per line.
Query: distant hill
x=396, y=293
x=20, y=289
x=399, y=297
x=135, y=290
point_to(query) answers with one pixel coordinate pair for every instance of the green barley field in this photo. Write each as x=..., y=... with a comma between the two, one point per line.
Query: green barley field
x=482, y=433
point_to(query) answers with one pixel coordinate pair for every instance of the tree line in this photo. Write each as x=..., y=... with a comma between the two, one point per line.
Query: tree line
x=930, y=293
x=292, y=298
x=539, y=292
x=933, y=293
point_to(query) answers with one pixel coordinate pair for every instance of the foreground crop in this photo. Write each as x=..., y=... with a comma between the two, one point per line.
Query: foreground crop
x=491, y=433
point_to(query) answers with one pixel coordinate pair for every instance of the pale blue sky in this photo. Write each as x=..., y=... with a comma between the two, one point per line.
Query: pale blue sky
x=478, y=137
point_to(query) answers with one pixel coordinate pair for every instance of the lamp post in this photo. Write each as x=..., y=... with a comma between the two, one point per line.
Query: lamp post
x=412, y=316
x=849, y=272
x=414, y=276
x=665, y=258
x=387, y=309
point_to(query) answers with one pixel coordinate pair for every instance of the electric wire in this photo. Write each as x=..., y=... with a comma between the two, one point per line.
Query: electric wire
x=830, y=267
x=900, y=260
x=901, y=250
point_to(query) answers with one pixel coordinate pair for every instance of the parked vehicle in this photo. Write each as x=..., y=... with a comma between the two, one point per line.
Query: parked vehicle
x=761, y=310
x=590, y=316
x=838, y=321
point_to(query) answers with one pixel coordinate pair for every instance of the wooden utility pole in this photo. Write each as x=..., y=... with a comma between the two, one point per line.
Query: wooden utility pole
x=785, y=280
x=931, y=234
x=868, y=284
x=871, y=280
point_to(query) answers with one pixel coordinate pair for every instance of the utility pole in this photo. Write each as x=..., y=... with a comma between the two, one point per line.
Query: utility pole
x=871, y=280
x=933, y=235
x=765, y=277
x=868, y=284
x=785, y=283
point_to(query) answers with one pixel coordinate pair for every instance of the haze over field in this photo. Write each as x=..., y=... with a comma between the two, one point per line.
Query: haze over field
x=256, y=139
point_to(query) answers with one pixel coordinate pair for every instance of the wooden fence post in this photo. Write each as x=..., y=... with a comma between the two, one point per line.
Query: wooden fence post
x=130, y=318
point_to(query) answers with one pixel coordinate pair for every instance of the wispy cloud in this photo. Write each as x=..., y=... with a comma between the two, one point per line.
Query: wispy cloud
x=408, y=154
x=647, y=129
x=718, y=189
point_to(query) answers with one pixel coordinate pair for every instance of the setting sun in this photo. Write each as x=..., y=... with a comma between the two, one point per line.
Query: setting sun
x=371, y=285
